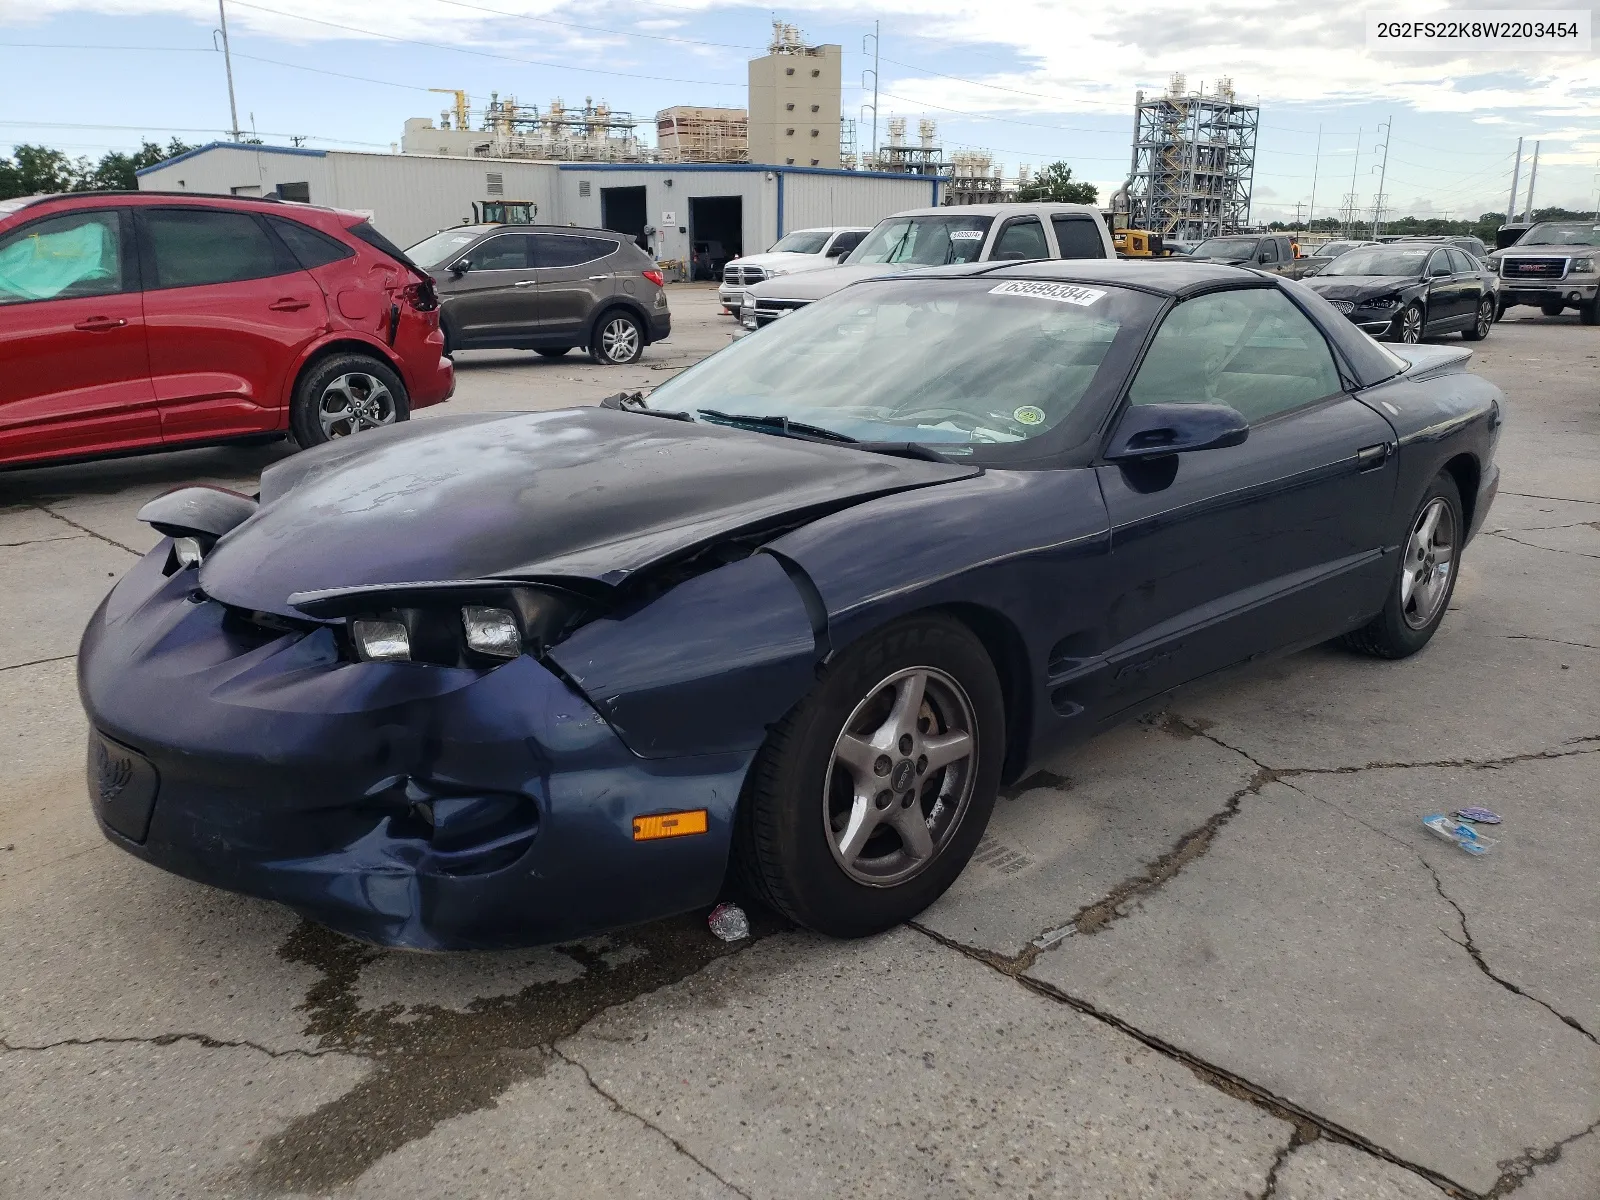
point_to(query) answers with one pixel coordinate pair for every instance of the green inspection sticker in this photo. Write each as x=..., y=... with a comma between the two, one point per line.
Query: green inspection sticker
x=1028, y=415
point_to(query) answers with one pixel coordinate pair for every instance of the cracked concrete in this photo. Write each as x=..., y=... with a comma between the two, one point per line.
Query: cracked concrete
x=1210, y=954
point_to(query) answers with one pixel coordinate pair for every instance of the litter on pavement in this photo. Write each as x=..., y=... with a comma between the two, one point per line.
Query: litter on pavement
x=728, y=922
x=1481, y=816
x=1460, y=832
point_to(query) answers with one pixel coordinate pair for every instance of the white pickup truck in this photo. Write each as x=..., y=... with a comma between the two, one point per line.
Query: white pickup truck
x=936, y=237
x=800, y=250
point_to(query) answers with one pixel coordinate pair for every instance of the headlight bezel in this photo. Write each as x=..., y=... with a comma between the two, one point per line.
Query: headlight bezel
x=1582, y=266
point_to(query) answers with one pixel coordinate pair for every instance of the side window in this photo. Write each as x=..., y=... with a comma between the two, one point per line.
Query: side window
x=568, y=250
x=77, y=254
x=1023, y=237
x=1439, y=264
x=310, y=247
x=1267, y=251
x=845, y=242
x=1250, y=349
x=194, y=246
x=1461, y=263
x=508, y=252
x=1078, y=237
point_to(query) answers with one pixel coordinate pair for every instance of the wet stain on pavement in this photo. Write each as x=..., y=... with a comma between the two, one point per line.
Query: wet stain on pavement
x=429, y=1063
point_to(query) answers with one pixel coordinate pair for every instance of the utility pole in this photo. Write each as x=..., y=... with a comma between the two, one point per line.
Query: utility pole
x=1350, y=200
x=1315, y=168
x=1383, y=175
x=873, y=148
x=227, y=61
x=1516, y=171
x=1533, y=174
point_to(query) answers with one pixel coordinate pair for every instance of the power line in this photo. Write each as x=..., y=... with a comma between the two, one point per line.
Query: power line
x=655, y=37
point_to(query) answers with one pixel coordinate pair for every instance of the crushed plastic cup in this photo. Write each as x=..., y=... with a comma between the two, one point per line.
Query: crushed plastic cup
x=1459, y=832
x=1479, y=816
x=728, y=922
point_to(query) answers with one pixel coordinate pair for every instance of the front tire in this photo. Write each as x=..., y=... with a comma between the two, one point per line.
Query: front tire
x=1425, y=577
x=554, y=351
x=1482, y=323
x=1408, y=325
x=345, y=394
x=1589, y=314
x=1552, y=310
x=618, y=339
x=870, y=796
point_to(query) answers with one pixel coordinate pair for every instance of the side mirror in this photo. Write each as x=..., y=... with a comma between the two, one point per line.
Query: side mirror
x=1149, y=431
x=1263, y=257
x=834, y=252
x=460, y=267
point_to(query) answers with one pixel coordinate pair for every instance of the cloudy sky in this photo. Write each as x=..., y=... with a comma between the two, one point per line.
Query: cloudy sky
x=1032, y=80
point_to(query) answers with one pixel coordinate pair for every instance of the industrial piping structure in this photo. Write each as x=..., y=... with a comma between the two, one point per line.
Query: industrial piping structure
x=1193, y=162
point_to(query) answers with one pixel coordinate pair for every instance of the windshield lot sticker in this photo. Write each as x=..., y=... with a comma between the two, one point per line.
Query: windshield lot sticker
x=966, y=235
x=1066, y=293
x=1028, y=415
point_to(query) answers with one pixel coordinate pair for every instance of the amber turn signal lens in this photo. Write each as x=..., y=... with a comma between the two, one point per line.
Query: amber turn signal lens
x=667, y=825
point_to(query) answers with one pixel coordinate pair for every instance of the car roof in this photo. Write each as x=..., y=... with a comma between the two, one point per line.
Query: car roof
x=1162, y=276
x=483, y=227
x=1020, y=206
x=829, y=229
x=199, y=199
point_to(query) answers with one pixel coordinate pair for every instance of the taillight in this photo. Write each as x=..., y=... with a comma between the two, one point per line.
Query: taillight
x=421, y=295
x=655, y=277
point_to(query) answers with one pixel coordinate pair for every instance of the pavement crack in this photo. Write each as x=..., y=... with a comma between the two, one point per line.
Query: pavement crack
x=1514, y=1172
x=1535, y=496
x=1304, y=1133
x=1224, y=1080
x=1535, y=545
x=164, y=1039
x=618, y=1106
x=1471, y=947
x=50, y=512
x=34, y=662
x=1531, y=637
x=65, y=537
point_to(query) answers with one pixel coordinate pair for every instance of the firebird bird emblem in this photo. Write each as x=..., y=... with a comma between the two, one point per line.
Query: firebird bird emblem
x=111, y=775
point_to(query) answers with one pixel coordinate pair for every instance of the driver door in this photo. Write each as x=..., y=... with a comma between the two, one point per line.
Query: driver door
x=497, y=299
x=1221, y=555
x=1445, y=304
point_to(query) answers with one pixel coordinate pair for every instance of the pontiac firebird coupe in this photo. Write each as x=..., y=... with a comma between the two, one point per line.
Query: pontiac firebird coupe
x=509, y=678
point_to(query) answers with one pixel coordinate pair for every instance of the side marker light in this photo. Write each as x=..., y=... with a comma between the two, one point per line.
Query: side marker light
x=669, y=825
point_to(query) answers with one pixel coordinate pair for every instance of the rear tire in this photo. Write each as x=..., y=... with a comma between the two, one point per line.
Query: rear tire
x=1424, y=580
x=344, y=394
x=451, y=338
x=554, y=351
x=1481, y=323
x=618, y=338
x=819, y=831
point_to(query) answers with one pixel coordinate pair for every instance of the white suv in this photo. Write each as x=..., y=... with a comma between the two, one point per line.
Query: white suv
x=936, y=237
x=802, y=250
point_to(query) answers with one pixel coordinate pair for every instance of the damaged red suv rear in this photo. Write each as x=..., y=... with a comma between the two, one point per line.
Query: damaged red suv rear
x=149, y=320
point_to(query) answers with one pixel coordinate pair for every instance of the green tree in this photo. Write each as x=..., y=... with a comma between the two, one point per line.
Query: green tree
x=1055, y=183
x=118, y=172
x=37, y=170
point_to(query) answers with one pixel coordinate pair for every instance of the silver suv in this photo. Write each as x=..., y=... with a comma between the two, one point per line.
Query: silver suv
x=546, y=288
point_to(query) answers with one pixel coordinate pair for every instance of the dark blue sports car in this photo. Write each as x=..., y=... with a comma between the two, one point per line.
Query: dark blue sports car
x=500, y=679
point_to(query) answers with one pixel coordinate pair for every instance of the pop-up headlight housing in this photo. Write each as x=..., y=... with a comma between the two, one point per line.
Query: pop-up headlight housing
x=194, y=518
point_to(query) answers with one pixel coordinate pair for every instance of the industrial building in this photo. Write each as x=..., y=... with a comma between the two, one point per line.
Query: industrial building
x=593, y=133
x=691, y=134
x=1193, y=161
x=794, y=102
x=741, y=207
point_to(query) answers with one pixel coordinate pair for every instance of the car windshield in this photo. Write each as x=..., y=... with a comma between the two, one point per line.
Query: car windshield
x=1379, y=260
x=950, y=363
x=1575, y=233
x=1333, y=249
x=804, y=241
x=444, y=246
x=924, y=241
x=1226, y=248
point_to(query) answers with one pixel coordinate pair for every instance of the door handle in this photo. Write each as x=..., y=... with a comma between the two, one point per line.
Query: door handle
x=101, y=324
x=289, y=304
x=598, y=278
x=526, y=283
x=1371, y=457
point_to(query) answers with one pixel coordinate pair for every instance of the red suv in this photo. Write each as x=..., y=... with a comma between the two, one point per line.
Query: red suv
x=141, y=321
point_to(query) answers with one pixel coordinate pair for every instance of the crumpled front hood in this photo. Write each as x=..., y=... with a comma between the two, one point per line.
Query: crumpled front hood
x=1357, y=287
x=587, y=493
x=814, y=285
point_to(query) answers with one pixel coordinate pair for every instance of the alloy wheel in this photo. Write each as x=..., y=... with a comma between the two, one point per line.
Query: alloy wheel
x=1485, y=318
x=353, y=402
x=1411, y=326
x=1430, y=557
x=901, y=777
x=619, y=340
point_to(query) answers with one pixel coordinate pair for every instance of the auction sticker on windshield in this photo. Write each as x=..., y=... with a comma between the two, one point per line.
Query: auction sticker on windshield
x=1066, y=293
x=966, y=235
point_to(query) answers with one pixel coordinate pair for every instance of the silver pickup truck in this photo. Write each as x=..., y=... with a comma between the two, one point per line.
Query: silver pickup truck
x=1553, y=267
x=937, y=237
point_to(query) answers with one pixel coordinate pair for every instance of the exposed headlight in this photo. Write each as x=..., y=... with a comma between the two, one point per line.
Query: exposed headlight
x=187, y=551
x=1583, y=264
x=492, y=631
x=747, y=315
x=1382, y=302
x=381, y=641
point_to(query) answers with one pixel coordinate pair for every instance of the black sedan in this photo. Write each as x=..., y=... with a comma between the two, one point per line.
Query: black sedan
x=505, y=678
x=1409, y=291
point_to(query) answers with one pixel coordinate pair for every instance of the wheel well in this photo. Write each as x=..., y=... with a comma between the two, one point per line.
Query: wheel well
x=1463, y=468
x=351, y=346
x=1009, y=654
x=619, y=305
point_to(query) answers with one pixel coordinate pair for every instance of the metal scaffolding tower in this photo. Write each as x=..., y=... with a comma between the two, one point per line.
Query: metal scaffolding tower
x=1194, y=161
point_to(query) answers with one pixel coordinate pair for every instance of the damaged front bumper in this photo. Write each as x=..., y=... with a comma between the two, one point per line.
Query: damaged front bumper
x=403, y=804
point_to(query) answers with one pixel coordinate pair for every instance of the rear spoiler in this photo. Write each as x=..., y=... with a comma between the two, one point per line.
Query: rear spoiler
x=363, y=229
x=1429, y=362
